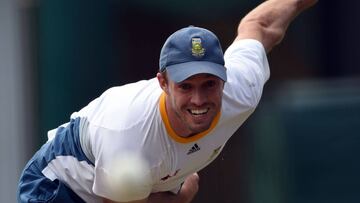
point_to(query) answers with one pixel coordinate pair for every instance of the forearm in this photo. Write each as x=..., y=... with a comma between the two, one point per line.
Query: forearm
x=269, y=21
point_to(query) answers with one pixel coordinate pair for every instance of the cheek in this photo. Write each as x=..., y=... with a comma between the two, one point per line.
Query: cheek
x=180, y=100
x=218, y=97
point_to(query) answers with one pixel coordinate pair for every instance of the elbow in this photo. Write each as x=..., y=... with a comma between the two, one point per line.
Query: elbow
x=262, y=30
x=272, y=37
x=270, y=34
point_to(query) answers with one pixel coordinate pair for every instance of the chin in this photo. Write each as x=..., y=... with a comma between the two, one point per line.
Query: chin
x=199, y=129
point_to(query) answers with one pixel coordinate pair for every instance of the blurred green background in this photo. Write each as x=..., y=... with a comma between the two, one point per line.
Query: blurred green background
x=301, y=144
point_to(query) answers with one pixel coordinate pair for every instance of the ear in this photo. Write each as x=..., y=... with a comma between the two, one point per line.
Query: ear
x=163, y=82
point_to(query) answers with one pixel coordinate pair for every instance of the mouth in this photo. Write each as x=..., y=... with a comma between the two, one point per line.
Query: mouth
x=198, y=112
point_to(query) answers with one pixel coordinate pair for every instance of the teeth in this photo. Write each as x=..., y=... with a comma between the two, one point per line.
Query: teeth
x=199, y=111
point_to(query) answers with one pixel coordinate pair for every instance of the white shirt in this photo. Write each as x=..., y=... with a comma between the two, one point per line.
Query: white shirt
x=132, y=118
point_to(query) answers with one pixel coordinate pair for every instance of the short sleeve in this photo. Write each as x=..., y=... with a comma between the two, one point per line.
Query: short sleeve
x=247, y=71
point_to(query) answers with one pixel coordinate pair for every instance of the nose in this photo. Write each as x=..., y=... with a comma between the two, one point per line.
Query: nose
x=198, y=97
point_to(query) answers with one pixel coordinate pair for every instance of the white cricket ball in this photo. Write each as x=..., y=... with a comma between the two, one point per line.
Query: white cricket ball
x=130, y=178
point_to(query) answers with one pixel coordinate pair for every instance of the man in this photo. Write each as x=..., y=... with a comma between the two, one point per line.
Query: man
x=177, y=122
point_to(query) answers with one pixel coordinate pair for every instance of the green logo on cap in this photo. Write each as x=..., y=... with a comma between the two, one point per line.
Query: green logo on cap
x=197, y=49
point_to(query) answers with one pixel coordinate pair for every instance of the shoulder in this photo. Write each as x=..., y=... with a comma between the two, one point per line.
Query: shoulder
x=246, y=60
x=123, y=105
x=247, y=70
x=244, y=49
x=131, y=91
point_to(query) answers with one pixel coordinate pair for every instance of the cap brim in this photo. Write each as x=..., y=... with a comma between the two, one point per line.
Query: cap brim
x=182, y=71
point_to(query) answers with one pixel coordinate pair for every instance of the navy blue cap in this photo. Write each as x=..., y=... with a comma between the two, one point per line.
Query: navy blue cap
x=190, y=51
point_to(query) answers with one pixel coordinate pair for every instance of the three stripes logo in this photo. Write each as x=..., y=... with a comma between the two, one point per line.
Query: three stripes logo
x=193, y=149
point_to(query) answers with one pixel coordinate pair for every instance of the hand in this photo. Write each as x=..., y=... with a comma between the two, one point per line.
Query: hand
x=185, y=195
x=190, y=187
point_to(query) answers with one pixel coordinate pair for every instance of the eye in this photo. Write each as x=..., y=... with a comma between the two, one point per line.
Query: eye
x=210, y=83
x=185, y=86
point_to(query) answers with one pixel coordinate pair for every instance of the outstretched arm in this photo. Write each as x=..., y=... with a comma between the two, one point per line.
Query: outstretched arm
x=268, y=22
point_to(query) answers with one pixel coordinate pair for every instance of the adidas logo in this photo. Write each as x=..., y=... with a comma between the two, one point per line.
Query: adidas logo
x=193, y=149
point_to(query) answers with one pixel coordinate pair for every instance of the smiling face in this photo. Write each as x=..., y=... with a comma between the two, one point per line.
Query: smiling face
x=192, y=104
